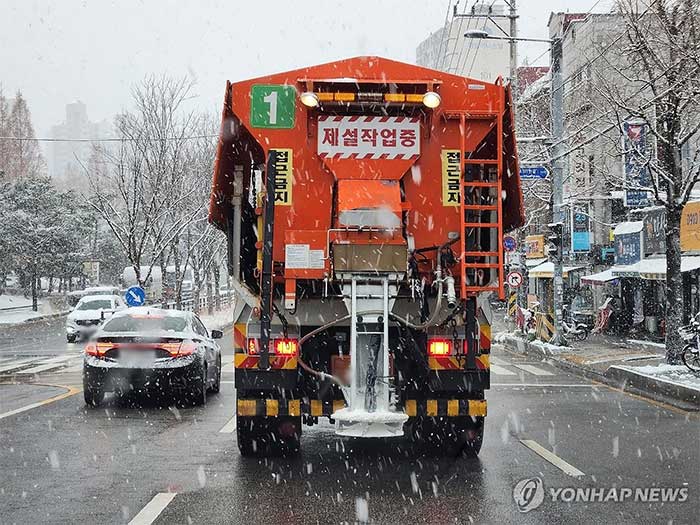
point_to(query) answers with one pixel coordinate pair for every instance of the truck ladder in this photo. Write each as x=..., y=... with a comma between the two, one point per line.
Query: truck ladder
x=481, y=214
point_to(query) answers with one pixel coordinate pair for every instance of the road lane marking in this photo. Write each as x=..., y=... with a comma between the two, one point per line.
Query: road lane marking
x=41, y=368
x=555, y=460
x=501, y=371
x=71, y=391
x=547, y=385
x=153, y=509
x=496, y=360
x=533, y=370
x=229, y=427
x=16, y=364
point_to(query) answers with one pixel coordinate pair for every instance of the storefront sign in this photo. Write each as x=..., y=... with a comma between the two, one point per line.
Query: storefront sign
x=450, y=177
x=628, y=248
x=359, y=137
x=580, y=228
x=690, y=227
x=637, y=154
x=655, y=232
x=534, y=247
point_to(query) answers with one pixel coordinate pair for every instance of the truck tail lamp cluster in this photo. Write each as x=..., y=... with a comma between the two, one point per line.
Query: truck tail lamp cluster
x=283, y=347
x=312, y=99
x=440, y=347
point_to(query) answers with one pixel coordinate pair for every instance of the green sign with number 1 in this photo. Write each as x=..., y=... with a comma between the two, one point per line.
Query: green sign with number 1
x=272, y=106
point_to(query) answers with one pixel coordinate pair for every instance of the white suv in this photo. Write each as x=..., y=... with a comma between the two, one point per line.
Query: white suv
x=89, y=313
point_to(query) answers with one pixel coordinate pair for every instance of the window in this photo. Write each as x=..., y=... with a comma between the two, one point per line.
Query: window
x=199, y=327
x=97, y=304
x=146, y=323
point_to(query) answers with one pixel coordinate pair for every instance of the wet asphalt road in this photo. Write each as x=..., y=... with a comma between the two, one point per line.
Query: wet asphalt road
x=63, y=463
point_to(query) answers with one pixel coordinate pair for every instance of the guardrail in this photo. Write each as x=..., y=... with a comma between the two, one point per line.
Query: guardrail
x=189, y=304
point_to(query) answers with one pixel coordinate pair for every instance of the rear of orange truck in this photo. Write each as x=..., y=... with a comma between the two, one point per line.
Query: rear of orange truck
x=364, y=204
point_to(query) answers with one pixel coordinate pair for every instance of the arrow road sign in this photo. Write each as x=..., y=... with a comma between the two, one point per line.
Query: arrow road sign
x=534, y=172
x=135, y=296
x=514, y=279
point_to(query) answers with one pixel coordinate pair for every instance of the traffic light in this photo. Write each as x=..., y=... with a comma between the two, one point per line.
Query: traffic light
x=556, y=240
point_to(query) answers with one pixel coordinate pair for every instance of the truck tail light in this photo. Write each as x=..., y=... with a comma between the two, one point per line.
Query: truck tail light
x=286, y=347
x=253, y=346
x=440, y=347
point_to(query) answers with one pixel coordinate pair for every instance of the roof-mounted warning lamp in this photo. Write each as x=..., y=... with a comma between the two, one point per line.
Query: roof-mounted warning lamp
x=309, y=99
x=431, y=99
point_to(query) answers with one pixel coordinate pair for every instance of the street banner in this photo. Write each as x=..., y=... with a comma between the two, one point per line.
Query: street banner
x=580, y=228
x=636, y=153
x=360, y=137
x=534, y=247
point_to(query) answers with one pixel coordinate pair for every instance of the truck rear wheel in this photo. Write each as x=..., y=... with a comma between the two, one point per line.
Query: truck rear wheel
x=450, y=436
x=268, y=436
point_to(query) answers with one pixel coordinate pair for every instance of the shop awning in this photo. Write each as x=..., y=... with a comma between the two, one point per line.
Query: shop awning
x=546, y=270
x=531, y=263
x=599, y=278
x=654, y=269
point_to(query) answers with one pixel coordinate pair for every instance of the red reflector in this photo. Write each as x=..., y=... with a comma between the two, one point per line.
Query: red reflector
x=286, y=346
x=439, y=347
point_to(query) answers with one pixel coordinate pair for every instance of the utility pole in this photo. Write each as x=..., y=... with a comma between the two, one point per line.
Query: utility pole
x=557, y=176
x=513, y=48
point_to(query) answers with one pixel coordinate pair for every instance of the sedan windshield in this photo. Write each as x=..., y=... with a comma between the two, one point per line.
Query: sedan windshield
x=97, y=304
x=130, y=323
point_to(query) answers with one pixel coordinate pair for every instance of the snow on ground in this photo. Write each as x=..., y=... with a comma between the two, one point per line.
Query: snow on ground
x=218, y=320
x=646, y=343
x=678, y=374
x=14, y=301
x=16, y=309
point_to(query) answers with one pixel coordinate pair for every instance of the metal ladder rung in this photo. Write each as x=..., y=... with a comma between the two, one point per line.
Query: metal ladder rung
x=481, y=225
x=479, y=254
x=480, y=161
x=480, y=184
x=481, y=265
x=370, y=333
x=480, y=207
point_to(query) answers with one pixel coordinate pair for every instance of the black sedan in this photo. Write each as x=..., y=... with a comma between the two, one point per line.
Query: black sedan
x=154, y=351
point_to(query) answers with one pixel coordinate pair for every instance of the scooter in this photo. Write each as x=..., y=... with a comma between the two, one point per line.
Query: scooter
x=578, y=331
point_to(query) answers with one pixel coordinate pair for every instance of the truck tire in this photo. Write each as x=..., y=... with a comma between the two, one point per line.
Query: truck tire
x=268, y=436
x=449, y=436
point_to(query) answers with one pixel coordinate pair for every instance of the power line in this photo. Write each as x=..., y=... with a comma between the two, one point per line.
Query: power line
x=112, y=139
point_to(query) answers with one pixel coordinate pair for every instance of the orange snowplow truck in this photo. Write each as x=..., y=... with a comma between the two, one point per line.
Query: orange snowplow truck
x=364, y=203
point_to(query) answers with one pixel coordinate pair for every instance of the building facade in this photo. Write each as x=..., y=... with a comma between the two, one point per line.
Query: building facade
x=448, y=50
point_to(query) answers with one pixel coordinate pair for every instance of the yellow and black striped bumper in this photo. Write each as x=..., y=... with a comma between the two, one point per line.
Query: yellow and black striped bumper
x=445, y=407
x=287, y=407
x=316, y=407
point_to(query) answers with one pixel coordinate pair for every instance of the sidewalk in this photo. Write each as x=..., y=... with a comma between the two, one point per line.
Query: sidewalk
x=629, y=364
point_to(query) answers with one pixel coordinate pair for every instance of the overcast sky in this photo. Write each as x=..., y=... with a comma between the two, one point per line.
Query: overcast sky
x=58, y=51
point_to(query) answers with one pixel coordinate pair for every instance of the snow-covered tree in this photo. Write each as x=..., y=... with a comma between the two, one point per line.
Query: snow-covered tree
x=656, y=81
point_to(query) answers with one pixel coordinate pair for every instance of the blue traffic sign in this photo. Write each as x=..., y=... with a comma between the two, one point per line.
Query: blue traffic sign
x=135, y=296
x=534, y=172
x=509, y=243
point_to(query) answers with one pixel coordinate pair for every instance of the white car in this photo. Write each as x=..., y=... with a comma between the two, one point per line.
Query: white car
x=89, y=313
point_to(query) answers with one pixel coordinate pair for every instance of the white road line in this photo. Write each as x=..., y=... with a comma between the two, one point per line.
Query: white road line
x=16, y=364
x=555, y=460
x=229, y=427
x=59, y=359
x=153, y=509
x=501, y=371
x=41, y=368
x=547, y=385
x=533, y=370
x=497, y=360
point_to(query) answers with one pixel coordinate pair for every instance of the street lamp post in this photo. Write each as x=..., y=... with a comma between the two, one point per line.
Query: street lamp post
x=557, y=107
